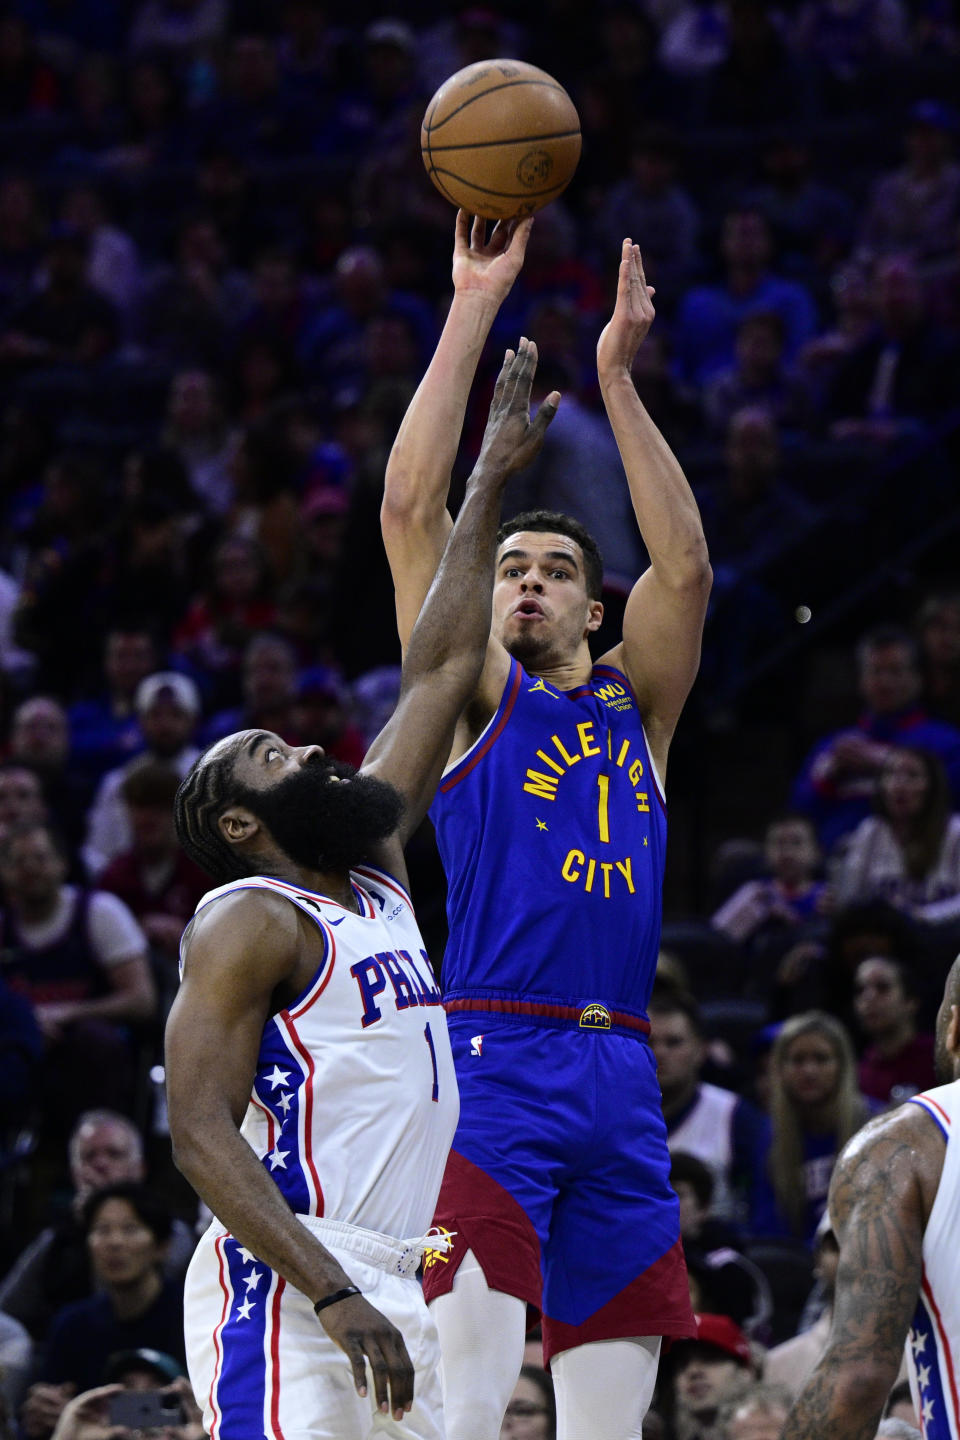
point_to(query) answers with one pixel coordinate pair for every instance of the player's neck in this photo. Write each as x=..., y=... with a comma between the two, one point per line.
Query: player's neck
x=335, y=884
x=567, y=673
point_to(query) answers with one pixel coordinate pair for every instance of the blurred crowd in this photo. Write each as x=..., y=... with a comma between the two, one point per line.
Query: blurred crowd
x=222, y=273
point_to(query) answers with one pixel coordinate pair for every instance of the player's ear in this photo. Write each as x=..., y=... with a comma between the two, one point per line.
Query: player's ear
x=238, y=824
x=594, y=615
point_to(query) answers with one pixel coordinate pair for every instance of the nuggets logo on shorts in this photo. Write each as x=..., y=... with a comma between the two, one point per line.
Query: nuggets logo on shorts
x=595, y=1017
x=435, y=1253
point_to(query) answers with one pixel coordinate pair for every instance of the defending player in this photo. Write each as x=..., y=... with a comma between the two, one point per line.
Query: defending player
x=895, y=1209
x=311, y=1091
x=552, y=827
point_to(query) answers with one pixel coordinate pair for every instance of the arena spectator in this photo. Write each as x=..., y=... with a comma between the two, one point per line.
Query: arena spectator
x=269, y=693
x=915, y=210
x=21, y=798
x=113, y=264
x=811, y=222
x=80, y=958
x=722, y=1280
x=702, y=1374
x=167, y=705
x=531, y=1413
x=66, y=323
x=322, y=715
x=717, y=1126
x=898, y=1061
x=790, y=1363
x=104, y=1148
x=127, y=1232
x=189, y=306
x=180, y=28
x=908, y=852
x=236, y=601
x=152, y=875
x=815, y=1107
x=903, y=374
x=707, y=320
x=21, y=1053
x=938, y=636
x=838, y=779
x=650, y=203
x=790, y=895
x=40, y=741
x=759, y=379
x=105, y=730
x=197, y=431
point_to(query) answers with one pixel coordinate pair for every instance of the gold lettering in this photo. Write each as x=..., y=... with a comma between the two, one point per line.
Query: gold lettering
x=568, y=872
x=635, y=771
x=585, y=731
x=624, y=750
x=568, y=759
x=591, y=871
x=542, y=755
x=626, y=870
x=609, y=743
x=642, y=800
x=543, y=785
x=606, y=866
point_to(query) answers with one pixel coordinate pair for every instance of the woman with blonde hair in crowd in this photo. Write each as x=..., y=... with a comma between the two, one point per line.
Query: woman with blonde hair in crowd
x=815, y=1106
x=908, y=853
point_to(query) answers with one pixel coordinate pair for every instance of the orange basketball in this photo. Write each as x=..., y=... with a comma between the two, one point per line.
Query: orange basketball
x=500, y=139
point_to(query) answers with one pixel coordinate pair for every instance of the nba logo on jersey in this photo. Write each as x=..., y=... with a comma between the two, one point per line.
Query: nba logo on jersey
x=476, y=1045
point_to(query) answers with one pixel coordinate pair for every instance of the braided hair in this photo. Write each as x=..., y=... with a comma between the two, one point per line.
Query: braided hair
x=197, y=808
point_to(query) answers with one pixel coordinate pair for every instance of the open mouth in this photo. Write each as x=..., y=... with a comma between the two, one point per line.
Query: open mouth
x=529, y=609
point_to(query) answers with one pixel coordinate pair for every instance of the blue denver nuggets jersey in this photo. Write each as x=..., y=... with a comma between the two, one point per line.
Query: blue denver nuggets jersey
x=552, y=830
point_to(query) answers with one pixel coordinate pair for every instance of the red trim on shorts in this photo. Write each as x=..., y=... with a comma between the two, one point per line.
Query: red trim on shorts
x=944, y=1344
x=473, y=757
x=218, y=1247
x=655, y=1303
x=489, y=1221
x=271, y=1118
x=275, y=1358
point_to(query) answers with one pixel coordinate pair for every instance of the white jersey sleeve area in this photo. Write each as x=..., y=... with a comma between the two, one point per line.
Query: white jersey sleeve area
x=933, y=1345
x=355, y=1103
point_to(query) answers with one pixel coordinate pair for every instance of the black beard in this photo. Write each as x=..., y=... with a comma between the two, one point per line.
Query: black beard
x=324, y=825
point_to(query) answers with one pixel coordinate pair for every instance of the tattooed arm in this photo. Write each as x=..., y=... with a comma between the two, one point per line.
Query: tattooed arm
x=880, y=1198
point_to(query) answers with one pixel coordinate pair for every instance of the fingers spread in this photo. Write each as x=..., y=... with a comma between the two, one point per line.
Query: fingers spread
x=478, y=232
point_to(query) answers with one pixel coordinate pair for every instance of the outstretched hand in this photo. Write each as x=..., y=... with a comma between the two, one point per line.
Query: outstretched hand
x=488, y=266
x=632, y=317
x=511, y=439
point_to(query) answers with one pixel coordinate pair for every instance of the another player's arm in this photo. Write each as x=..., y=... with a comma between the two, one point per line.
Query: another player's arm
x=414, y=517
x=448, y=647
x=879, y=1210
x=237, y=954
x=663, y=622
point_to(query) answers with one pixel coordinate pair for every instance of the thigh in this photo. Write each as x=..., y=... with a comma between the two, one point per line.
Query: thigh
x=261, y=1364
x=613, y=1265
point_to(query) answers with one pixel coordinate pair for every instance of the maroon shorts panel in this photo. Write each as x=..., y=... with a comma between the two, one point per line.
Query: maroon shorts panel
x=484, y=1218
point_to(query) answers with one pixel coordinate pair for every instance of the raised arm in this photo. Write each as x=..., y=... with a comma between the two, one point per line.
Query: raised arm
x=879, y=1207
x=663, y=622
x=414, y=515
x=448, y=646
x=236, y=954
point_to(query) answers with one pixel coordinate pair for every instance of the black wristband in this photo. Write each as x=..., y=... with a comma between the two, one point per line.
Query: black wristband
x=343, y=1294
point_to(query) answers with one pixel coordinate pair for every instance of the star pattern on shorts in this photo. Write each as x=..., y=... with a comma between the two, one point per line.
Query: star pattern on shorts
x=285, y=1101
x=243, y=1311
x=918, y=1340
x=927, y=1409
x=278, y=1158
x=277, y=1077
x=245, y=1256
x=252, y=1280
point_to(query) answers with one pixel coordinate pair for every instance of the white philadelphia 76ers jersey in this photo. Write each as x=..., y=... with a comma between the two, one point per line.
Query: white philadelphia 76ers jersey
x=933, y=1345
x=355, y=1100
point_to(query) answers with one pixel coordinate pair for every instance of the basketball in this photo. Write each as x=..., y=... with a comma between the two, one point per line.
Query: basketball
x=500, y=139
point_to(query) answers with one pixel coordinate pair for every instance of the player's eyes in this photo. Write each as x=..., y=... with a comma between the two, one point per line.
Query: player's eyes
x=271, y=754
x=559, y=574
